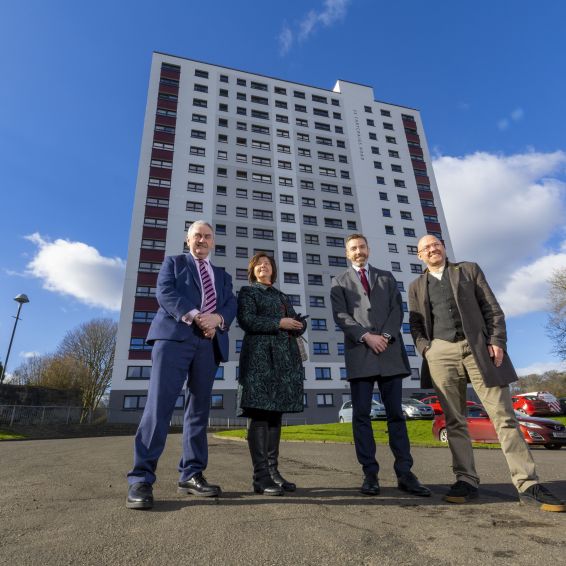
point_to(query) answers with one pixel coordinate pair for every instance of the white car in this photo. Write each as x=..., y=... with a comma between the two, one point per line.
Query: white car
x=345, y=413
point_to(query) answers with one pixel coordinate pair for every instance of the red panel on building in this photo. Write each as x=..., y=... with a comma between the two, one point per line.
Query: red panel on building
x=154, y=233
x=155, y=212
x=139, y=355
x=146, y=304
x=147, y=279
x=170, y=74
x=433, y=226
x=422, y=179
x=421, y=165
x=413, y=138
x=430, y=210
x=415, y=150
x=140, y=329
x=152, y=255
x=158, y=192
x=163, y=137
x=165, y=120
x=160, y=172
x=167, y=104
x=409, y=123
x=168, y=89
x=162, y=154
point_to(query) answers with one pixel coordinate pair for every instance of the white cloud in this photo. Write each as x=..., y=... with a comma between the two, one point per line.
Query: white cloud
x=527, y=288
x=78, y=270
x=541, y=367
x=501, y=212
x=27, y=355
x=514, y=116
x=285, y=40
x=331, y=12
x=517, y=114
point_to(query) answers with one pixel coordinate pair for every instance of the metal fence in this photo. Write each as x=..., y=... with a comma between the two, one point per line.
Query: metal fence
x=24, y=415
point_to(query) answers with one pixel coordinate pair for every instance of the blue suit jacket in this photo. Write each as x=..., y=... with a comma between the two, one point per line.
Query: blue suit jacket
x=179, y=292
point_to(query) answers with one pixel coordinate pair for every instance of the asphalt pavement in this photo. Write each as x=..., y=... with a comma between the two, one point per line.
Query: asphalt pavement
x=63, y=502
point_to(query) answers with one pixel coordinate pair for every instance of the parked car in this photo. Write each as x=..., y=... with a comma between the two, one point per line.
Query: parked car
x=345, y=413
x=432, y=401
x=414, y=409
x=530, y=405
x=546, y=397
x=536, y=430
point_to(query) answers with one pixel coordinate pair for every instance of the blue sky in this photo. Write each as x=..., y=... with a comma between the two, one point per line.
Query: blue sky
x=488, y=77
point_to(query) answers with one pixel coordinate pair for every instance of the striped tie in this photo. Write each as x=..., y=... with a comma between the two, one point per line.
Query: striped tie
x=209, y=302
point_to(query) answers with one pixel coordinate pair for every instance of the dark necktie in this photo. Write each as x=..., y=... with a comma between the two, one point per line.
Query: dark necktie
x=209, y=302
x=364, y=280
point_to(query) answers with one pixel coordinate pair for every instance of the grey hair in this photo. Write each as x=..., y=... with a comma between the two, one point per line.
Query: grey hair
x=198, y=223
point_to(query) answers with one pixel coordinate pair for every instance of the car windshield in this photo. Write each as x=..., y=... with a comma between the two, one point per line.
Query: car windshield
x=412, y=402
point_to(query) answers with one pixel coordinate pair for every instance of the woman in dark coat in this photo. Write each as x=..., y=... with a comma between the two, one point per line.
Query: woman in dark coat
x=271, y=370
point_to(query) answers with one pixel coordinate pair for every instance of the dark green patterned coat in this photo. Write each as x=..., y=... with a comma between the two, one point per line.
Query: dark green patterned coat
x=271, y=371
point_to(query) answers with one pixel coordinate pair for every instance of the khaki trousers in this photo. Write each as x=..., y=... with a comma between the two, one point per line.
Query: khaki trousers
x=450, y=363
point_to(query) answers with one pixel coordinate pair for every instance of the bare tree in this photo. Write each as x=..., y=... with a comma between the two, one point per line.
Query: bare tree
x=91, y=347
x=556, y=325
x=32, y=371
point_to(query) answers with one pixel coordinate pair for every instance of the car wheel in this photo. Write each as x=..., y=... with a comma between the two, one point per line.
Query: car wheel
x=341, y=419
x=443, y=435
x=553, y=446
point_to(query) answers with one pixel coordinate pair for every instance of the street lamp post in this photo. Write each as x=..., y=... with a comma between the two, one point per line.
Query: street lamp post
x=21, y=300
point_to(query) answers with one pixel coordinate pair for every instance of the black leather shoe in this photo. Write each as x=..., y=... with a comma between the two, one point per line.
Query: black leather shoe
x=197, y=485
x=281, y=481
x=412, y=485
x=266, y=486
x=370, y=485
x=140, y=496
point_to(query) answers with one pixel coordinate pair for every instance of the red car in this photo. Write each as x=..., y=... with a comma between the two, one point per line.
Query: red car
x=433, y=401
x=530, y=405
x=546, y=432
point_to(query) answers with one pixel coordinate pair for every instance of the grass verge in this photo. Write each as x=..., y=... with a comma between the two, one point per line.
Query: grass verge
x=420, y=433
x=5, y=435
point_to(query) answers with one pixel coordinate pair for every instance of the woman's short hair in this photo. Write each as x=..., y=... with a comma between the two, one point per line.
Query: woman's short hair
x=255, y=260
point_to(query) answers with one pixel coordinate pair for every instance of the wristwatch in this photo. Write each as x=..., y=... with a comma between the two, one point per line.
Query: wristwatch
x=390, y=339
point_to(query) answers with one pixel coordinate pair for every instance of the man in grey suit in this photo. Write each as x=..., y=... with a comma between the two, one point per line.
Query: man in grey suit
x=459, y=329
x=367, y=306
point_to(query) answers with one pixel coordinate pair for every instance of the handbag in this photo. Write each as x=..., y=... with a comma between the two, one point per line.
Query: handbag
x=303, y=352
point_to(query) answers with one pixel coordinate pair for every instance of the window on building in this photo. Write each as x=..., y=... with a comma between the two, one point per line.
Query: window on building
x=134, y=402
x=335, y=242
x=314, y=279
x=386, y=212
x=337, y=261
x=324, y=400
x=395, y=266
x=312, y=259
x=292, y=278
x=287, y=217
x=389, y=230
x=311, y=239
x=392, y=248
x=409, y=232
x=316, y=301
x=416, y=268
x=318, y=324
x=383, y=196
x=288, y=237
x=322, y=373
x=320, y=348
x=138, y=372
x=290, y=257
x=241, y=251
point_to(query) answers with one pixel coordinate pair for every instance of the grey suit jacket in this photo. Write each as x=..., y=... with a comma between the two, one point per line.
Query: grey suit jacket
x=482, y=319
x=381, y=312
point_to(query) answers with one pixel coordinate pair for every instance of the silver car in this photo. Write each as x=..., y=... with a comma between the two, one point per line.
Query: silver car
x=413, y=409
x=345, y=413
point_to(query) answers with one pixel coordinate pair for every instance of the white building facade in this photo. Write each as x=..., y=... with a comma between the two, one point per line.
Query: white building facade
x=282, y=167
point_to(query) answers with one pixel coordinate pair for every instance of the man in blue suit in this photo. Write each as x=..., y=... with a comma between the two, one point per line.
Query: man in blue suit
x=189, y=335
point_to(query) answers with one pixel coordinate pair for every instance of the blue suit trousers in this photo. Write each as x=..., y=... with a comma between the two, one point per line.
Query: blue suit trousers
x=174, y=363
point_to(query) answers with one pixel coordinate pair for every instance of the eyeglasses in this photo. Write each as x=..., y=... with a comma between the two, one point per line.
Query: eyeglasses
x=430, y=247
